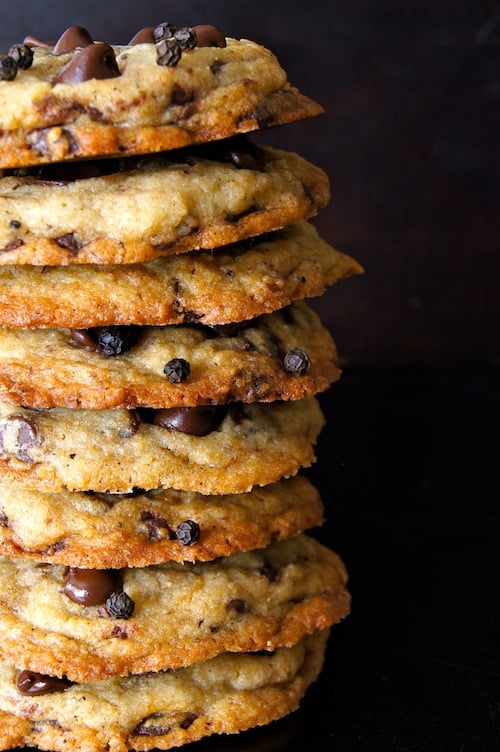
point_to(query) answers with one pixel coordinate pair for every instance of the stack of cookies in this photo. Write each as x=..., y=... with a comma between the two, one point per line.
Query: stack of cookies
x=159, y=368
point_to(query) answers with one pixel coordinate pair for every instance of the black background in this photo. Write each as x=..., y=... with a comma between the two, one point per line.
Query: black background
x=408, y=462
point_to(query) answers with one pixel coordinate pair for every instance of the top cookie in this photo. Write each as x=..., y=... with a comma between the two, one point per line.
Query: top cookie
x=80, y=98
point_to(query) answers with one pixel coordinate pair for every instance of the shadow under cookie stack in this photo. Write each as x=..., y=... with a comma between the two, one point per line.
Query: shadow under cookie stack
x=158, y=373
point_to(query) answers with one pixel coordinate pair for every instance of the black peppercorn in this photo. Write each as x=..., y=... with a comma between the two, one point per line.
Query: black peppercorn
x=8, y=68
x=188, y=532
x=296, y=361
x=114, y=340
x=186, y=38
x=163, y=31
x=177, y=370
x=120, y=605
x=168, y=52
x=22, y=54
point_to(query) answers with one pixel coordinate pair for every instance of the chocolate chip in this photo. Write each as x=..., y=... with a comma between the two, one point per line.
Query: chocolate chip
x=133, y=425
x=91, y=587
x=32, y=683
x=158, y=527
x=160, y=724
x=151, y=727
x=177, y=370
x=119, y=605
x=71, y=39
x=209, y=36
x=217, y=66
x=69, y=242
x=32, y=41
x=12, y=245
x=296, y=361
x=188, y=532
x=83, y=339
x=196, y=421
x=267, y=570
x=181, y=96
x=8, y=68
x=238, y=150
x=238, y=605
x=189, y=317
x=119, y=632
x=97, y=61
x=19, y=437
x=188, y=720
x=23, y=55
x=143, y=36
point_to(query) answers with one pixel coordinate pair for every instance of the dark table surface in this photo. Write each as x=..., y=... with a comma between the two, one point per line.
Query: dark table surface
x=407, y=467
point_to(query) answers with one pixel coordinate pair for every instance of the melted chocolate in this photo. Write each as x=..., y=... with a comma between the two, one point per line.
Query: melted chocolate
x=91, y=587
x=31, y=683
x=196, y=421
x=97, y=61
x=209, y=36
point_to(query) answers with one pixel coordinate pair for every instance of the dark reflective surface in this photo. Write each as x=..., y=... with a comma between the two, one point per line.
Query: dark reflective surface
x=408, y=469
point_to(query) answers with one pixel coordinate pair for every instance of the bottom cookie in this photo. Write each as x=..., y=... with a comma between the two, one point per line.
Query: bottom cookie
x=225, y=695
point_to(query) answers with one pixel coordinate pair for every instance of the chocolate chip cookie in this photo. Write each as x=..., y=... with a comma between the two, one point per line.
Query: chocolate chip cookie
x=93, y=531
x=284, y=355
x=233, y=283
x=208, y=449
x=143, y=208
x=89, y=624
x=79, y=97
x=227, y=694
